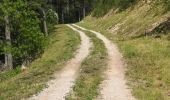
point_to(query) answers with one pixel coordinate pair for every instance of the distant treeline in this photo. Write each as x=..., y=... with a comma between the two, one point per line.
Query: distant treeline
x=71, y=10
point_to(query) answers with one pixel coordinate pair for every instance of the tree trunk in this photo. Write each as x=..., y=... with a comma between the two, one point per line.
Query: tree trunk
x=79, y=17
x=8, y=55
x=45, y=27
x=44, y=23
x=62, y=16
x=84, y=9
x=69, y=11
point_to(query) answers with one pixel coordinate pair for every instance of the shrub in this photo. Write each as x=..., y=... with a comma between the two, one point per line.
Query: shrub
x=103, y=6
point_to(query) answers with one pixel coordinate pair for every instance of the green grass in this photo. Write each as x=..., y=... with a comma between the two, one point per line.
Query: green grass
x=6, y=75
x=87, y=84
x=62, y=45
x=147, y=58
x=148, y=67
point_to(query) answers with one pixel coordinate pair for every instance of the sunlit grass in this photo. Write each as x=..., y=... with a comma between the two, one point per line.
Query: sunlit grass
x=147, y=57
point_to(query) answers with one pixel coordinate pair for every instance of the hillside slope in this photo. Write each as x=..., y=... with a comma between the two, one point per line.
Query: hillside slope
x=142, y=33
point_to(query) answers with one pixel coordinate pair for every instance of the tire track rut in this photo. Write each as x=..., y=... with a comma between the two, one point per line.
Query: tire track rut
x=64, y=80
x=114, y=86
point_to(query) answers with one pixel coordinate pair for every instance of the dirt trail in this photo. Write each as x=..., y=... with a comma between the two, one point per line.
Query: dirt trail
x=114, y=86
x=64, y=80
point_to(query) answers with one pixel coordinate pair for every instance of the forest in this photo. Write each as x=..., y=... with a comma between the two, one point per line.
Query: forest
x=25, y=25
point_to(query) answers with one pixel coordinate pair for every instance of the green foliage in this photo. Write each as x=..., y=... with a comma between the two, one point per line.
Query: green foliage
x=123, y=4
x=9, y=74
x=165, y=3
x=16, y=86
x=70, y=11
x=27, y=39
x=52, y=17
x=103, y=6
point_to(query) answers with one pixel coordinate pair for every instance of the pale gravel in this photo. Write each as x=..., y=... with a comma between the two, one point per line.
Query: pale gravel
x=114, y=86
x=64, y=80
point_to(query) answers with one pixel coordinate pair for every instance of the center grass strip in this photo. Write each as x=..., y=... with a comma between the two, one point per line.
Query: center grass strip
x=91, y=73
x=147, y=58
x=62, y=46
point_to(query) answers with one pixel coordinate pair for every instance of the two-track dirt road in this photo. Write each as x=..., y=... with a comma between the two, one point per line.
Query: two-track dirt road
x=112, y=88
x=64, y=80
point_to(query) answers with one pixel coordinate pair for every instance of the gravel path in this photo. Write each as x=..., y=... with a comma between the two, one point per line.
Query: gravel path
x=114, y=86
x=64, y=80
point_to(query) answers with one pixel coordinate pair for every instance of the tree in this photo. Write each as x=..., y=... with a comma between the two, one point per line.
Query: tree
x=24, y=41
x=71, y=10
x=8, y=55
x=6, y=9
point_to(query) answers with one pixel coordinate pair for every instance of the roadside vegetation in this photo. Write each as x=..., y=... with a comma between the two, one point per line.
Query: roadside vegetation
x=144, y=44
x=29, y=40
x=24, y=29
x=91, y=72
x=18, y=84
x=102, y=7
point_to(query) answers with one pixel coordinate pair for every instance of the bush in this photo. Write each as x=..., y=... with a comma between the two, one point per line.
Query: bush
x=103, y=6
x=27, y=39
x=52, y=17
x=123, y=4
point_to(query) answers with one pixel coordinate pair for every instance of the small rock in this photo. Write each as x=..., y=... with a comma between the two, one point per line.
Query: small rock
x=169, y=94
x=23, y=68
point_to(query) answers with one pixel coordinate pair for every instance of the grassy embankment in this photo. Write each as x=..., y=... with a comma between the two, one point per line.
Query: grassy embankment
x=147, y=57
x=87, y=84
x=16, y=85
